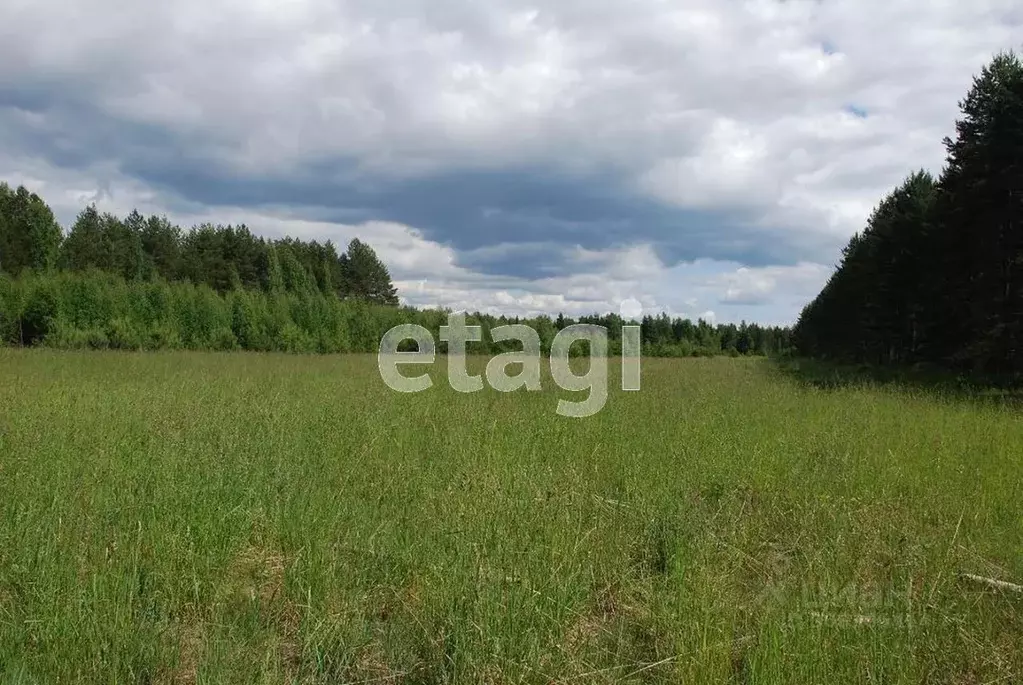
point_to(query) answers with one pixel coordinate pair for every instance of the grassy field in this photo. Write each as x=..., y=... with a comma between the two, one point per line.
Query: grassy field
x=244, y=518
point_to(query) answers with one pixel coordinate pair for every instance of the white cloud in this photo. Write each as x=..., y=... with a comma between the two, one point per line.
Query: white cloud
x=760, y=285
x=703, y=105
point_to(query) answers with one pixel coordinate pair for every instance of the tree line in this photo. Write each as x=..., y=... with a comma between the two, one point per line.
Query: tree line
x=144, y=283
x=223, y=257
x=936, y=276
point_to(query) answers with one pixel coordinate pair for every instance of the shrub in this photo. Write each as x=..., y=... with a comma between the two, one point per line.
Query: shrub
x=69, y=337
x=39, y=313
x=293, y=339
x=10, y=308
x=163, y=336
x=223, y=339
x=124, y=335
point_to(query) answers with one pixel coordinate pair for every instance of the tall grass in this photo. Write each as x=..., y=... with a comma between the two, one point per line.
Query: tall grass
x=224, y=518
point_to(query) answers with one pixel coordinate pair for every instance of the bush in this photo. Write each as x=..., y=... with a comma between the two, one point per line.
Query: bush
x=124, y=335
x=68, y=337
x=293, y=339
x=10, y=308
x=39, y=313
x=223, y=339
x=88, y=299
x=163, y=336
x=249, y=322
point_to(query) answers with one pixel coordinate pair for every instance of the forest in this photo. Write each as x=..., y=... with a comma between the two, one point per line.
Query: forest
x=935, y=279
x=144, y=283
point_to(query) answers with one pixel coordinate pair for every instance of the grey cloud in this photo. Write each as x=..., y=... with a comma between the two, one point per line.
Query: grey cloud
x=514, y=137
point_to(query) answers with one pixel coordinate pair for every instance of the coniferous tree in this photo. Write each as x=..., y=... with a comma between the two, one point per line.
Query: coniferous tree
x=161, y=247
x=364, y=276
x=937, y=275
x=123, y=239
x=979, y=226
x=83, y=248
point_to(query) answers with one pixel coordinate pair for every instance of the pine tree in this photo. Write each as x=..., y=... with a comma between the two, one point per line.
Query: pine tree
x=364, y=276
x=161, y=247
x=979, y=222
x=898, y=234
x=937, y=275
x=83, y=248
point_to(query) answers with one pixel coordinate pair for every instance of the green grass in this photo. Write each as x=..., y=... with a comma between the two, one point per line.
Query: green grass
x=248, y=518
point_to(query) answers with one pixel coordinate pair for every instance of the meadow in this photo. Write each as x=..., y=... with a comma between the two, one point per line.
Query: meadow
x=188, y=517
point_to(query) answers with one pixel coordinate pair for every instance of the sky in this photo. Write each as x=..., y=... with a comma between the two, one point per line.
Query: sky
x=708, y=158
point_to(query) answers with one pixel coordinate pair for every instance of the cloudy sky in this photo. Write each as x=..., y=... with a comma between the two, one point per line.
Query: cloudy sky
x=706, y=157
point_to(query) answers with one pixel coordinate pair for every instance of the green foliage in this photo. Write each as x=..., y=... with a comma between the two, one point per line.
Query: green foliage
x=125, y=334
x=68, y=337
x=364, y=276
x=10, y=310
x=274, y=281
x=143, y=283
x=221, y=257
x=39, y=312
x=29, y=235
x=936, y=277
x=161, y=247
x=98, y=309
x=871, y=308
x=85, y=248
